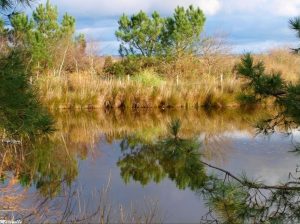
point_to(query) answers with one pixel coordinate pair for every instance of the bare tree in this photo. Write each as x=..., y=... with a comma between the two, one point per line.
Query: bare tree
x=212, y=50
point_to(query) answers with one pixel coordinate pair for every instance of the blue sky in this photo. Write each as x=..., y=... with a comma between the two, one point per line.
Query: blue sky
x=250, y=25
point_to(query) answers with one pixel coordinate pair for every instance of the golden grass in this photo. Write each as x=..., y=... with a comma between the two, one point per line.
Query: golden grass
x=66, y=91
x=284, y=61
x=85, y=90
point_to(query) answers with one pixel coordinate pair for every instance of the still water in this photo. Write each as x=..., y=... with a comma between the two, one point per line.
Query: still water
x=151, y=166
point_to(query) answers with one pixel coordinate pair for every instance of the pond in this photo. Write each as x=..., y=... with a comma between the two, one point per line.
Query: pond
x=171, y=166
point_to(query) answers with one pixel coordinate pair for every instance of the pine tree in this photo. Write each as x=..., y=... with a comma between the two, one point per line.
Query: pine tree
x=156, y=36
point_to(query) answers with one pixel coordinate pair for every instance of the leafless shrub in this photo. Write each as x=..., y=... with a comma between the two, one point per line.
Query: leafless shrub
x=214, y=53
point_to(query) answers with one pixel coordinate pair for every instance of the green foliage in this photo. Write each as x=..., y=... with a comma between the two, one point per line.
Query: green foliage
x=246, y=99
x=295, y=25
x=262, y=84
x=43, y=36
x=1, y=26
x=116, y=69
x=248, y=69
x=156, y=36
x=174, y=127
x=43, y=163
x=9, y=8
x=131, y=66
x=127, y=66
x=228, y=200
x=45, y=18
x=22, y=27
x=291, y=102
x=183, y=30
x=140, y=35
x=10, y=4
x=46, y=169
x=20, y=112
x=3, y=37
x=68, y=26
x=270, y=85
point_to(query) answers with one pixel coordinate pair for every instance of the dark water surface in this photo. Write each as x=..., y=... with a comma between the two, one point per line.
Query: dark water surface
x=134, y=166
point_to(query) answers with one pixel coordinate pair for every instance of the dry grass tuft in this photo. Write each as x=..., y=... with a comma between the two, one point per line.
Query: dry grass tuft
x=81, y=91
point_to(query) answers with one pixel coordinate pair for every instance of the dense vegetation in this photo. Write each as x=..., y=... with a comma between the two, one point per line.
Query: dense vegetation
x=20, y=110
x=166, y=62
x=47, y=40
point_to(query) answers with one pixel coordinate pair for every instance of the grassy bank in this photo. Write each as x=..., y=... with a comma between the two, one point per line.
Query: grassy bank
x=146, y=90
x=190, y=83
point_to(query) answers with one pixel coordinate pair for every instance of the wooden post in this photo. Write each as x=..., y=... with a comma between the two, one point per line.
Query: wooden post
x=222, y=82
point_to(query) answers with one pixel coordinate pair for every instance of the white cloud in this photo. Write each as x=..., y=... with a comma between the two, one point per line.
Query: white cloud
x=98, y=32
x=210, y=7
x=271, y=7
x=96, y=8
x=262, y=46
x=117, y=7
x=232, y=6
x=287, y=8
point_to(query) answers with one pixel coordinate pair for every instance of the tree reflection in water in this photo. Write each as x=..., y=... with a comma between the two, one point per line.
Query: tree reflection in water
x=172, y=157
x=41, y=162
x=230, y=198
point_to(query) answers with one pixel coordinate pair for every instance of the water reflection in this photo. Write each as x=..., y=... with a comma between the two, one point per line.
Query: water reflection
x=186, y=147
x=44, y=163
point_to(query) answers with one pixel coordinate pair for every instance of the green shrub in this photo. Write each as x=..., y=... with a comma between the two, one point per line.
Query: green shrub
x=130, y=65
x=148, y=78
x=127, y=66
x=116, y=69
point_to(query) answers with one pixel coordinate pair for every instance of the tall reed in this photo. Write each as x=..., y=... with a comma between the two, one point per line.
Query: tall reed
x=86, y=90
